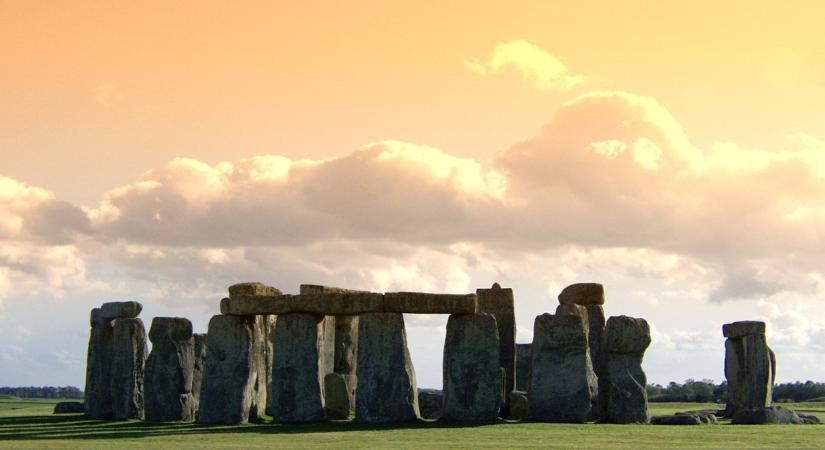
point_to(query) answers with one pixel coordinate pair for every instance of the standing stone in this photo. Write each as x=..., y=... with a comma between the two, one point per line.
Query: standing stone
x=170, y=371
x=472, y=371
x=345, y=346
x=197, y=372
x=595, y=339
x=562, y=383
x=590, y=298
x=269, y=355
x=337, y=396
x=431, y=403
x=524, y=359
x=386, y=379
x=498, y=301
x=233, y=389
x=301, y=361
x=750, y=366
x=115, y=362
x=625, y=342
x=98, y=393
x=128, y=361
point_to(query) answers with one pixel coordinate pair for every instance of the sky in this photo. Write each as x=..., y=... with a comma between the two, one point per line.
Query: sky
x=162, y=151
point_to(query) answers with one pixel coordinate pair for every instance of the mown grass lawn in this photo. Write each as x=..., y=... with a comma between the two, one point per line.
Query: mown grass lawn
x=30, y=424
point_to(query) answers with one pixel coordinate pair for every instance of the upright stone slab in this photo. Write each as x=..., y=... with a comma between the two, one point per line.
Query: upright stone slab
x=498, y=301
x=472, y=371
x=595, y=339
x=299, y=365
x=749, y=366
x=562, y=384
x=98, y=393
x=524, y=359
x=345, y=346
x=590, y=297
x=170, y=371
x=386, y=379
x=625, y=342
x=233, y=389
x=201, y=348
x=129, y=352
x=269, y=357
x=431, y=403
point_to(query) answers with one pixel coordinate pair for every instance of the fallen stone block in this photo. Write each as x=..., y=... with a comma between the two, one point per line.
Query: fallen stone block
x=68, y=408
x=431, y=403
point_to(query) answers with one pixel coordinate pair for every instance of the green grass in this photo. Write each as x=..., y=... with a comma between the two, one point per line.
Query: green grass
x=30, y=424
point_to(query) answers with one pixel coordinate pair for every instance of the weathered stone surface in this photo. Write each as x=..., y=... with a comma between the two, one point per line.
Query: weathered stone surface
x=68, y=408
x=766, y=415
x=625, y=340
x=675, y=420
x=562, y=384
x=472, y=371
x=524, y=359
x=346, y=336
x=120, y=310
x=572, y=309
x=519, y=406
x=749, y=367
x=170, y=371
x=743, y=328
x=386, y=379
x=306, y=289
x=425, y=303
x=704, y=416
x=595, y=340
x=233, y=388
x=254, y=288
x=431, y=403
x=98, y=391
x=337, y=397
x=269, y=357
x=332, y=304
x=499, y=302
x=301, y=361
x=129, y=352
x=582, y=294
x=201, y=348
x=346, y=349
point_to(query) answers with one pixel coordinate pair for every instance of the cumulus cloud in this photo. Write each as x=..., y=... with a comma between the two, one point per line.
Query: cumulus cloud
x=535, y=65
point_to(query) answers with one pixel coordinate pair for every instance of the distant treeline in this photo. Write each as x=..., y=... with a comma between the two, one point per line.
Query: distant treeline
x=42, y=392
x=707, y=391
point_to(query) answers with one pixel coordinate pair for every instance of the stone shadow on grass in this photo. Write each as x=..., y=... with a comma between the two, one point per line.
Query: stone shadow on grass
x=76, y=426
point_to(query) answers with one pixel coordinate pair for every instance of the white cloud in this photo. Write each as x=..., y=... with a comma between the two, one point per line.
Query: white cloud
x=535, y=65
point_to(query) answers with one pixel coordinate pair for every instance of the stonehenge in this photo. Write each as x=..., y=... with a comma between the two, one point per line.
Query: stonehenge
x=326, y=353
x=115, y=362
x=170, y=371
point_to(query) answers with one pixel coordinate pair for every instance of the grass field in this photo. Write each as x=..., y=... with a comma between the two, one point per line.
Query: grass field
x=30, y=424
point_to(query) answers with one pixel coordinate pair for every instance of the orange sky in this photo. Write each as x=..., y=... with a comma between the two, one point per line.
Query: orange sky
x=127, y=86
